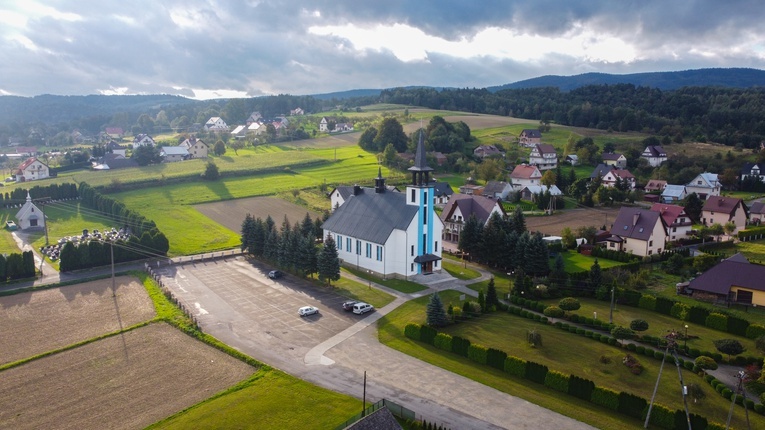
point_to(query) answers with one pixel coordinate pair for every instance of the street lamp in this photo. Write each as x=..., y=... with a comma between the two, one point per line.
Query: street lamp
x=685, y=342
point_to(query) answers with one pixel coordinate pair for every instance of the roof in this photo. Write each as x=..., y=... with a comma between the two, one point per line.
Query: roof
x=487, y=149
x=141, y=137
x=757, y=208
x=468, y=205
x=381, y=419
x=655, y=184
x=174, y=150
x=673, y=191
x=371, y=216
x=710, y=180
x=525, y=171
x=572, y=157
x=654, y=151
x=623, y=173
x=420, y=161
x=668, y=212
x=545, y=148
x=747, y=169
x=493, y=187
x=238, y=129
x=188, y=143
x=635, y=223
x=610, y=156
x=537, y=189
x=733, y=271
x=601, y=170
x=442, y=189
x=114, y=130
x=28, y=162
x=721, y=204
x=120, y=163
x=532, y=133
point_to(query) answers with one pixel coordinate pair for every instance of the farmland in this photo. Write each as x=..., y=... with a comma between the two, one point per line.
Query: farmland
x=573, y=219
x=231, y=213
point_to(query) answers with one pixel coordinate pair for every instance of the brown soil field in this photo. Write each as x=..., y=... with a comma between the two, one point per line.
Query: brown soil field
x=573, y=218
x=231, y=213
x=127, y=381
x=40, y=321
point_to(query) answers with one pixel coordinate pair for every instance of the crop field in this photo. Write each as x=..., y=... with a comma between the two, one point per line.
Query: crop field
x=46, y=320
x=583, y=217
x=231, y=213
x=125, y=381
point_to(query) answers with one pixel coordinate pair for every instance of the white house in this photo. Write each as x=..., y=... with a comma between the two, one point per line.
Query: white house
x=638, y=231
x=196, y=148
x=678, y=223
x=239, y=132
x=655, y=155
x=497, y=190
x=753, y=170
x=704, y=185
x=673, y=193
x=543, y=156
x=254, y=117
x=30, y=216
x=461, y=207
x=525, y=175
x=616, y=160
x=530, y=192
x=387, y=233
x=323, y=125
x=216, y=124
x=297, y=111
x=612, y=177
x=143, y=140
x=171, y=154
x=31, y=170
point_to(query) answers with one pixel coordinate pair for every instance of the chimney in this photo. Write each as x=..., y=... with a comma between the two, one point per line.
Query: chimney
x=356, y=190
x=635, y=218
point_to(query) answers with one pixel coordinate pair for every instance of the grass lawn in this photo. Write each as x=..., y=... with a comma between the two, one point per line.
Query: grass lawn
x=507, y=332
x=269, y=400
x=502, y=282
x=361, y=292
x=401, y=285
x=575, y=262
x=7, y=244
x=459, y=271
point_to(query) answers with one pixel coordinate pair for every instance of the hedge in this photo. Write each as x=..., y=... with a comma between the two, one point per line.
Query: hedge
x=631, y=405
x=536, y=372
x=515, y=366
x=460, y=346
x=427, y=334
x=606, y=398
x=717, y=321
x=496, y=358
x=663, y=417
x=412, y=331
x=737, y=326
x=680, y=311
x=580, y=387
x=698, y=315
x=754, y=331
x=477, y=353
x=557, y=381
x=443, y=341
x=647, y=302
x=664, y=305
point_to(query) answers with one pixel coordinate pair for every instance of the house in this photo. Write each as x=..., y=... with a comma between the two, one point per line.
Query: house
x=239, y=132
x=115, y=148
x=484, y=151
x=530, y=192
x=753, y=170
x=297, y=111
x=442, y=192
x=440, y=157
x=324, y=125
x=216, y=124
x=704, y=185
x=497, y=190
x=757, y=212
x=615, y=176
x=143, y=140
x=524, y=175
x=600, y=171
x=655, y=185
x=471, y=190
x=30, y=216
x=256, y=128
x=114, y=161
x=26, y=151
x=543, y=156
x=529, y=137
x=387, y=233
x=196, y=148
x=617, y=160
x=115, y=132
x=32, y=169
x=254, y=117
x=342, y=127
x=722, y=210
x=572, y=159
x=638, y=231
x=673, y=193
x=172, y=154
x=461, y=207
x=655, y=155
x=381, y=419
x=734, y=279
x=677, y=221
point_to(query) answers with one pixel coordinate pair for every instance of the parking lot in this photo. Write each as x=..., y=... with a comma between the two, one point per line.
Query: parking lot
x=238, y=294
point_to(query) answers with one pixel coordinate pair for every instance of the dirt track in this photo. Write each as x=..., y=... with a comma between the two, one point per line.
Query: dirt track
x=231, y=213
x=574, y=218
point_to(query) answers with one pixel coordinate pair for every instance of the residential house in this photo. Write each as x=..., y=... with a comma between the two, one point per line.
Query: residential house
x=442, y=192
x=390, y=234
x=655, y=155
x=722, y=210
x=297, y=111
x=115, y=132
x=440, y=157
x=638, y=231
x=239, y=132
x=655, y=185
x=114, y=161
x=524, y=175
x=757, y=213
x=32, y=169
x=530, y=192
x=26, y=151
x=254, y=117
x=343, y=127
x=196, y=148
x=115, y=148
x=600, y=171
x=461, y=207
x=572, y=159
x=677, y=221
x=613, y=177
x=143, y=140
x=256, y=128
x=484, y=151
x=753, y=170
x=530, y=137
x=324, y=125
x=704, y=185
x=543, y=156
x=30, y=217
x=617, y=160
x=497, y=190
x=216, y=124
x=673, y=193
x=471, y=190
x=733, y=280
x=172, y=154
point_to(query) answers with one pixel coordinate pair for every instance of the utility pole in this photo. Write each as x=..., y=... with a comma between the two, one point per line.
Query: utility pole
x=611, y=314
x=671, y=339
x=364, y=407
x=739, y=389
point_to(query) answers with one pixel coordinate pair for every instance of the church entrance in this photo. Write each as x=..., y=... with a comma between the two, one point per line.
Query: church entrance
x=427, y=268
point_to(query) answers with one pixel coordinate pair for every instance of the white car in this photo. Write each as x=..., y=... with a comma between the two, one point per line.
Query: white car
x=308, y=310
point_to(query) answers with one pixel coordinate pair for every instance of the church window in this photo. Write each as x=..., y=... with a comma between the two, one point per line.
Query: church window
x=425, y=217
x=413, y=195
x=339, y=243
x=348, y=244
x=379, y=253
x=412, y=250
x=358, y=247
x=369, y=250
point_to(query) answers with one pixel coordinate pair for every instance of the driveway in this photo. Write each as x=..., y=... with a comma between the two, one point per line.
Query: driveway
x=236, y=302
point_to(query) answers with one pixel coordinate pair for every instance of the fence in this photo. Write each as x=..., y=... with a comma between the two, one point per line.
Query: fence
x=396, y=409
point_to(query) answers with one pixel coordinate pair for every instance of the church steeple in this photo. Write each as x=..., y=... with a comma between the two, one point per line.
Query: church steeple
x=379, y=182
x=420, y=170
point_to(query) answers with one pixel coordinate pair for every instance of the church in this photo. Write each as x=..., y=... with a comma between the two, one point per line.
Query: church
x=390, y=234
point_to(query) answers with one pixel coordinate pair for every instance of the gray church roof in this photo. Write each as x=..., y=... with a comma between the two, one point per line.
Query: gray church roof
x=420, y=163
x=371, y=216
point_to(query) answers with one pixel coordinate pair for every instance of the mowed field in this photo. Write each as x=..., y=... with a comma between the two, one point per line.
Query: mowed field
x=231, y=213
x=573, y=219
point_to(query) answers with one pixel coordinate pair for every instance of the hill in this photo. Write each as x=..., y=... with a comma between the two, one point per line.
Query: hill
x=733, y=77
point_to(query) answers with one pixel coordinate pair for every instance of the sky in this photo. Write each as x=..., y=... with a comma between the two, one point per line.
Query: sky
x=222, y=49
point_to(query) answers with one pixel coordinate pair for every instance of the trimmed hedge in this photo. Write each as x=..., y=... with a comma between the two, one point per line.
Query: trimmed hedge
x=557, y=381
x=496, y=358
x=647, y=302
x=631, y=405
x=663, y=417
x=680, y=311
x=737, y=325
x=427, y=334
x=515, y=366
x=536, y=372
x=717, y=321
x=477, y=353
x=580, y=387
x=698, y=315
x=460, y=346
x=606, y=398
x=754, y=331
x=412, y=331
x=443, y=341
x=664, y=305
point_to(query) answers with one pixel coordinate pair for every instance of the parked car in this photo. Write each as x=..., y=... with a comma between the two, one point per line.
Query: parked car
x=362, y=308
x=348, y=306
x=10, y=225
x=308, y=310
x=275, y=274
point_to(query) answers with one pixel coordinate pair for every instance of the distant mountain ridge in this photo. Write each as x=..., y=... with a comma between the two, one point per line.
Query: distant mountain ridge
x=732, y=77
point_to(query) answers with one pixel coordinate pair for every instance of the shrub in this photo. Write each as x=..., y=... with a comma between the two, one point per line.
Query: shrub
x=427, y=334
x=604, y=359
x=698, y=315
x=606, y=398
x=612, y=341
x=477, y=353
x=557, y=381
x=460, y=346
x=633, y=364
x=679, y=311
x=737, y=326
x=647, y=302
x=697, y=421
x=640, y=349
x=569, y=304
x=717, y=321
x=536, y=372
x=443, y=341
x=639, y=325
x=726, y=392
x=496, y=358
x=631, y=405
x=664, y=305
x=579, y=331
x=658, y=355
x=631, y=347
x=534, y=338
x=515, y=366
x=694, y=352
x=580, y=387
x=754, y=331
x=729, y=346
x=663, y=417
x=412, y=331
x=691, y=366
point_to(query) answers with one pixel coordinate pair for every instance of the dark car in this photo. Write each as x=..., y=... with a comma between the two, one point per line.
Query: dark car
x=275, y=274
x=348, y=306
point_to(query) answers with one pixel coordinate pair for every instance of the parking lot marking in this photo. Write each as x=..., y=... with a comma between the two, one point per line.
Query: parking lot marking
x=201, y=310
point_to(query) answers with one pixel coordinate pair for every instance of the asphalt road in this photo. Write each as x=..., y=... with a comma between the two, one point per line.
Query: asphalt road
x=236, y=302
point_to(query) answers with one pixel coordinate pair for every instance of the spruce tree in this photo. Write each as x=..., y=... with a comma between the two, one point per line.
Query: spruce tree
x=482, y=300
x=258, y=239
x=247, y=229
x=521, y=249
x=436, y=316
x=470, y=237
x=307, y=227
x=596, y=275
x=491, y=294
x=328, y=263
x=519, y=220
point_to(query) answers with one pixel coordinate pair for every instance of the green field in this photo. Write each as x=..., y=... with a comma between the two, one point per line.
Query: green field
x=575, y=262
x=459, y=271
x=507, y=332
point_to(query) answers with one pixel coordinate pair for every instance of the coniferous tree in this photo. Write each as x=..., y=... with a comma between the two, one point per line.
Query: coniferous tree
x=436, y=315
x=271, y=248
x=537, y=256
x=28, y=263
x=3, y=272
x=317, y=230
x=482, y=300
x=247, y=229
x=306, y=227
x=519, y=220
x=490, y=246
x=309, y=257
x=470, y=237
x=258, y=239
x=328, y=263
x=270, y=224
x=596, y=276
x=491, y=294
x=521, y=250
x=511, y=241
x=558, y=275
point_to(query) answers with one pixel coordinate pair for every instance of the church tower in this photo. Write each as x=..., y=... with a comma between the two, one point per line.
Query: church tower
x=420, y=193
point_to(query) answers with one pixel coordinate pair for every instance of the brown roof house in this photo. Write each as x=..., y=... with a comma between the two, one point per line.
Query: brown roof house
x=524, y=175
x=530, y=137
x=757, y=212
x=655, y=185
x=32, y=169
x=497, y=190
x=196, y=148
x=722, y=210
x=611, y=178
x=641, y=232
x=678, y=222
x=543, y=156
x=484, y=151
x=734, y=279
x=461, y=207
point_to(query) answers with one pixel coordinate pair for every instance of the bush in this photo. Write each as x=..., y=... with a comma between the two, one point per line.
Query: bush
x=460, y=346
x=412, y=331
x=557, y=381
x=647, y=302
x=580, y=387
x=631, y=405
x=569, y=304
x=631, y=347
x=633, y=364
x=640, y=349
x=698, y=315
x=536, y=372
x=754, y=331
x=639, y=325
x=663, y=417
x=737, y=326
x=496, y=358
x=606, y=398
x=515, y=366
x=443, y=341
x=664, y=305
x=717, y=321
x=477, y=353
x=427, y=334
x=658, y=355
x=679, y=311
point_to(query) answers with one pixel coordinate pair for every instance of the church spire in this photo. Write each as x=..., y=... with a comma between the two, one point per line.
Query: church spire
x=420, y=170
x=379, y=181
